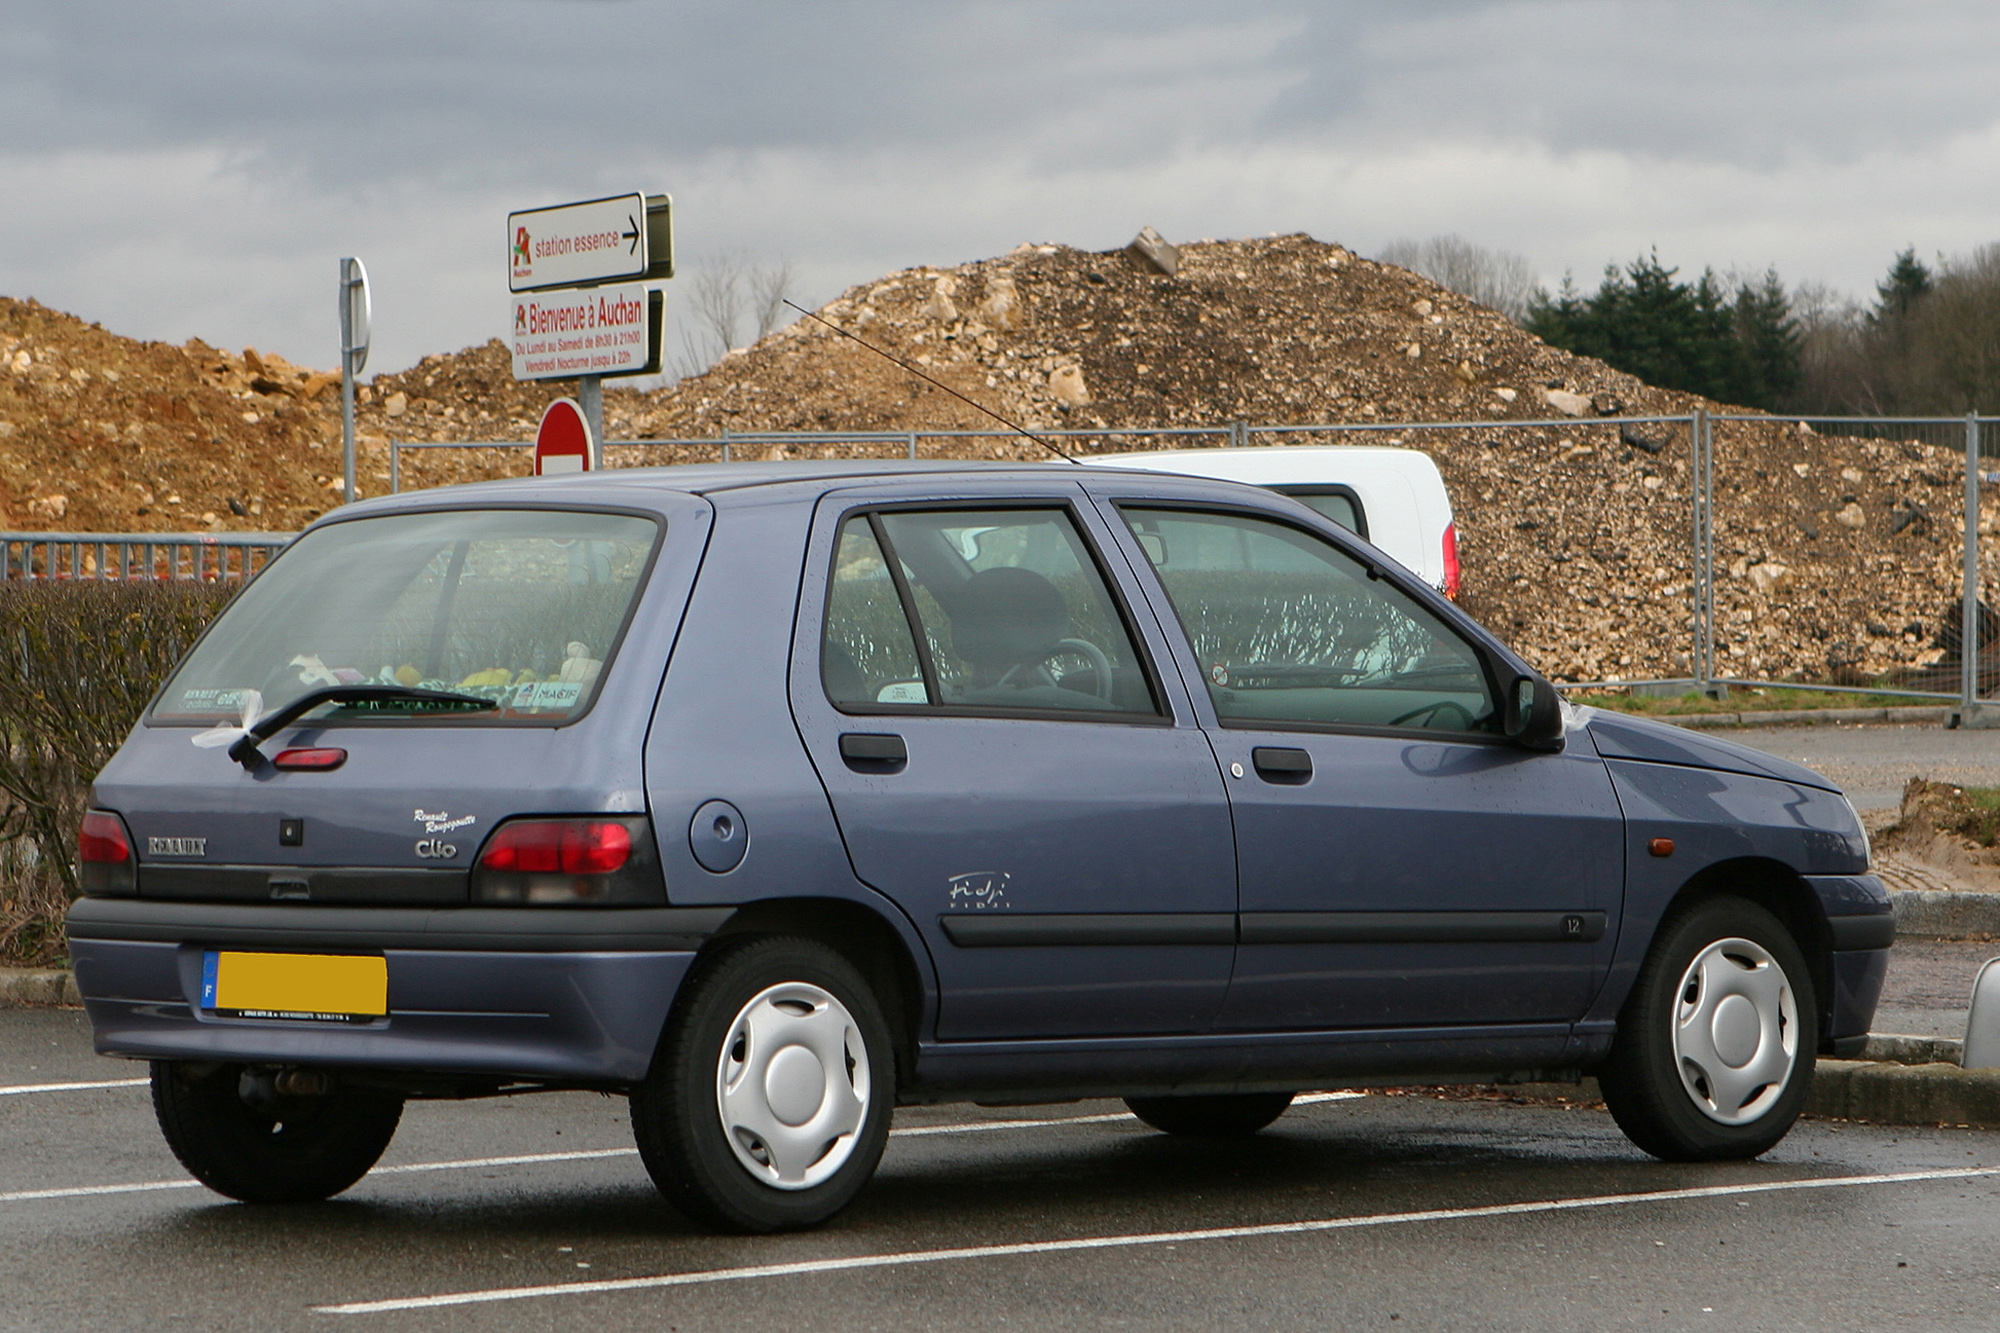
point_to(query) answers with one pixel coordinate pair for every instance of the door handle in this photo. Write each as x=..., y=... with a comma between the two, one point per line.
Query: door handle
x=873, y=751
x=1282, y=763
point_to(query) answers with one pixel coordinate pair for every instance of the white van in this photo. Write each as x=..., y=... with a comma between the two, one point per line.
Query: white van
x=1394, y=498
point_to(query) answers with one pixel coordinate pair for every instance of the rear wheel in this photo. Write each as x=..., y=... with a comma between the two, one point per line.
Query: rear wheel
x=1211, y=1115
x=1714, y=1053
x=238, y=1134
x=768, y=1103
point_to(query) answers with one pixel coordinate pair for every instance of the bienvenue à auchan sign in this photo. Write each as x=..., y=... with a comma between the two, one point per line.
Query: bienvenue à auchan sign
x=611, y=330
x=573, y=245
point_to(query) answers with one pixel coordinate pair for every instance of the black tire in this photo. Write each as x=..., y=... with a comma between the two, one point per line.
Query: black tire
x=711, y=1170
x=1224, y=1115
x=1681, y=1118
x=295, y=1150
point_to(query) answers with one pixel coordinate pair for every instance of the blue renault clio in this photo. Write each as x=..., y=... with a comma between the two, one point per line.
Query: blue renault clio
x=777, y=796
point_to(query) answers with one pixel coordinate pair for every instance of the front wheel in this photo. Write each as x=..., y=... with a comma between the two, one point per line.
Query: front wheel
x=1714, y=1053
x=768, y=1103
x=240, y=1135
x=1223, y=1115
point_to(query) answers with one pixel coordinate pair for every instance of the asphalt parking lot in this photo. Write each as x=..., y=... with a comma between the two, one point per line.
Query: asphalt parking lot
x=1379, y=1210
x=1872, y=762
x=1361, y=1211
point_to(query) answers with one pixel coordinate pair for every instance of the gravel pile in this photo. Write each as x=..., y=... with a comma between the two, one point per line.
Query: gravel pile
x=1838, y=555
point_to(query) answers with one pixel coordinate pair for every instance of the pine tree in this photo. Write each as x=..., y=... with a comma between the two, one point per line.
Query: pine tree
x=1909, y=281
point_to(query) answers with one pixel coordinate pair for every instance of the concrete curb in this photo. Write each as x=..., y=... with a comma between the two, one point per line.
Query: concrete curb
x=1805, y=717
x=1946, y=914
x=1898, y=1049
x=1896, y=1094
x=25, y=987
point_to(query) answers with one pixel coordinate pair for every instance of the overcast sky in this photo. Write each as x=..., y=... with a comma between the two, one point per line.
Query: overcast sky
x=175, y=170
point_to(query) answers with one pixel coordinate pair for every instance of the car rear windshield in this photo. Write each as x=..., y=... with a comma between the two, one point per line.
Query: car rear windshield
x=521, y=608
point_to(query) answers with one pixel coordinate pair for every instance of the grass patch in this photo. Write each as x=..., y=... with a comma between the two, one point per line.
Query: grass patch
x=1764, y=699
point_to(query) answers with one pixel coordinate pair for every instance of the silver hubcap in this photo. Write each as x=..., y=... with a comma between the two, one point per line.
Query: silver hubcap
x=1736, y=1031
x=792, y=1086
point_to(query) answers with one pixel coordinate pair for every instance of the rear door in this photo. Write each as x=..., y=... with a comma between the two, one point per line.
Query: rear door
x=1013, y=771
x=1399, y=865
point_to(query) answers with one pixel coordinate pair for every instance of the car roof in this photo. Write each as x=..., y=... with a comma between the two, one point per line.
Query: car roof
x=611, y=485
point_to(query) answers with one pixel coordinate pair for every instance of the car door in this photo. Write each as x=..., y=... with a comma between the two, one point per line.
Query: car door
x=1012, y=771
x=1399, y=864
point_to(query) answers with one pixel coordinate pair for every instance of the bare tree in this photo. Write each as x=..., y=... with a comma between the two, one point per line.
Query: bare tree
x=727, y=295
x=770, y=284
x=1494, y=278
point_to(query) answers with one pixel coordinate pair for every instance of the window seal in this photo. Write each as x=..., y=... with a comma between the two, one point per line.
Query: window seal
x=1487, y=660
x=1161, y=713
x=662, y=529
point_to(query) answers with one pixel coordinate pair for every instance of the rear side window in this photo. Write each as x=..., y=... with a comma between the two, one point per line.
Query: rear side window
x=1289, y=629
x=1338, y=503
x=520, y=607
x=1009, y=610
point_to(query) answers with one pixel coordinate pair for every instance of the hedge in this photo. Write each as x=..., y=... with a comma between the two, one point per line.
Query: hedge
x=78, y=664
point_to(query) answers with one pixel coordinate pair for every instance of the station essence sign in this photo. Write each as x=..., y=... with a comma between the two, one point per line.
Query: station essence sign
x=578, y=275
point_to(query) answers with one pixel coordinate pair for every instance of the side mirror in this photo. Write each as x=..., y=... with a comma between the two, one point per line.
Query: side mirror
x=1533, y=714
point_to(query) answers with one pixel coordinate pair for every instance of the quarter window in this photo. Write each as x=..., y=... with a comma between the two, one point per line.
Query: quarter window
x=1289, y=629
x=869, y=655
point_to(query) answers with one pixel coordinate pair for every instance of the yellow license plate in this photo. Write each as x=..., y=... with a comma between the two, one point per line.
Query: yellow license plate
x=338, y=987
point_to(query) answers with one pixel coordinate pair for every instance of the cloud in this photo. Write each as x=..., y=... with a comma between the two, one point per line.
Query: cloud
x=196, y=170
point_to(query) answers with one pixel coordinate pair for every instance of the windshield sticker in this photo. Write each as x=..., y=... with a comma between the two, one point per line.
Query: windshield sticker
x=213, y=701
x=979, y=890
x=543, y=696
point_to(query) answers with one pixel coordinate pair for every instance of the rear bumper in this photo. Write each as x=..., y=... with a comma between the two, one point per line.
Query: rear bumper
x=561, y=996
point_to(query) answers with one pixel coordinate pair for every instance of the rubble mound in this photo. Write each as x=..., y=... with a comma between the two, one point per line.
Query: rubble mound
x=1836, y=555
x=100, y=433
x=1948, y=831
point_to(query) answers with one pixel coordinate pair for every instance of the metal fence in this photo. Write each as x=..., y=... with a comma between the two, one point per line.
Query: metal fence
x=1696, y=551
x=153, y=556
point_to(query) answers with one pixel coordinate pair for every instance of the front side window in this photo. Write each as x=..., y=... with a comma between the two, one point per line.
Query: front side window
x=519, y=608
x=1010, y=611
x=1289, y=629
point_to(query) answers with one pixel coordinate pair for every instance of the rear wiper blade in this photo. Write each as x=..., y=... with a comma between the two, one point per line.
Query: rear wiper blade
x=244, y=751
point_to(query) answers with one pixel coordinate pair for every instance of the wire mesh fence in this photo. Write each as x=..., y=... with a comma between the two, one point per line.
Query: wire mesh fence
x=1699, y=551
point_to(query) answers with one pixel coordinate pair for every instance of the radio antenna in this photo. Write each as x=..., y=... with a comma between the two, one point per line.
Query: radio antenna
x=1017, y=429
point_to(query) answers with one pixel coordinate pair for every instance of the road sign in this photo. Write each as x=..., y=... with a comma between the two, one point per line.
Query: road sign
x=356, y=314
x=601, y=240
x=564, y=442
x=594, y=331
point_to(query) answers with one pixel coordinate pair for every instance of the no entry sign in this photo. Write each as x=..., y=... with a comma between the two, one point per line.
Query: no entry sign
x=564, y=444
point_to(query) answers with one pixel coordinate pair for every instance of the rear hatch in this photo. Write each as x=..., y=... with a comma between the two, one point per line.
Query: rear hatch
x=472, y=652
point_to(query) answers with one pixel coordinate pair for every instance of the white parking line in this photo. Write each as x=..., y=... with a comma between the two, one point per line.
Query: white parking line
x=19, y=1088
x=975, y=1126
x=906, y=1257
x=531, y=1159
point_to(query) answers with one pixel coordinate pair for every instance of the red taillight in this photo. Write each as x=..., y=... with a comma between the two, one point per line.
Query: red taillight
x=103, y=839
x=318, y=758
x=558, y=847
x=1451, y=560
